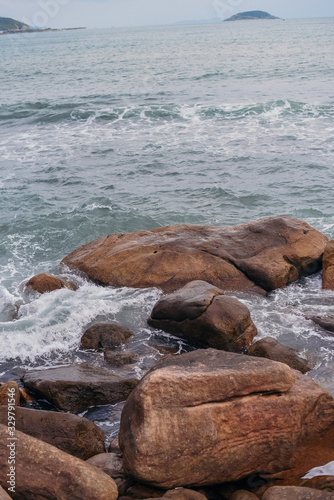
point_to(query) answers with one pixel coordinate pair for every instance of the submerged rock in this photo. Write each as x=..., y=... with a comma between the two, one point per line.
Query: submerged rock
x=201, y=313
x=72, y=434
x=118, y=359
x=209, y=417
x=104, y=336
x=44, y=282
x=270, y=348
x=326, y=322
x=254, y=257
x=328, y=267
x=43, y=471
x=75, y=388
x=296, y=493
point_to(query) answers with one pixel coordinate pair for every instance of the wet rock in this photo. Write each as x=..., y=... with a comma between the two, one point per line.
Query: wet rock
x=296, y=493
x=254, y=257
x=328, y=267
x=44, y=282
x=141, y=491
x=325, y=322
x=3, y=494
x=9, y=393
x=72, y=434
x=118, y=359
x=270, y=348
x=201, y=313
x=210, y=417
x=243, y=495
x=114, y=446
x=75, y=388
x=104, y=336
x=183, y=494
x=43, y=471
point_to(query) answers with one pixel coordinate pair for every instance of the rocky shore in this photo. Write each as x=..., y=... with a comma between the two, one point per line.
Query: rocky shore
x=235, y=418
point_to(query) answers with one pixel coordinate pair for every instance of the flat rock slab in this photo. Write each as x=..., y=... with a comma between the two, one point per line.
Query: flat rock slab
x=42, y=471
x=75, y=388
x=328, y=267
x=270, y=348
x=254, y=257
x=72, y=434
x=296, y=493
x=201, y=313
x=209, y=417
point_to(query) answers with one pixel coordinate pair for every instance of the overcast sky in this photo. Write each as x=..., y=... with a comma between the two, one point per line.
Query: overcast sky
x=109, y=13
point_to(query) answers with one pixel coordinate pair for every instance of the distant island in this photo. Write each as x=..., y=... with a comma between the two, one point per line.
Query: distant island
x=11, y=26
x=251, y=15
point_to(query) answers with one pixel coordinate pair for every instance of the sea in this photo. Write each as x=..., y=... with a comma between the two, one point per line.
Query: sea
x=111, y=131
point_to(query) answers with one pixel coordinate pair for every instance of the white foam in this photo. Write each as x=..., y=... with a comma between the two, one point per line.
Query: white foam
x=324, y=470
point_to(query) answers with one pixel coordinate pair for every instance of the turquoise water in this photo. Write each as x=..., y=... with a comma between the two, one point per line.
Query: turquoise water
x=107, y=131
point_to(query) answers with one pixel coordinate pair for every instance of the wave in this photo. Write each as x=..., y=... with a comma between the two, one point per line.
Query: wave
x=89, y=112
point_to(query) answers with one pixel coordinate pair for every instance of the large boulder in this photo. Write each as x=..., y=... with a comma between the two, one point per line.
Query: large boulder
x=75, y=388
x=328, y=267
x=74, y=435
x=104, y=336
x=270, y=348
x=209, y=417
x=254, y=257
x=43, y=471
x=296, y=493
x=201, y=313
x=44, y=282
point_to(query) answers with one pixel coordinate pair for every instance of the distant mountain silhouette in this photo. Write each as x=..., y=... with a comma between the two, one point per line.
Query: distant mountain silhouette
x=8, y=24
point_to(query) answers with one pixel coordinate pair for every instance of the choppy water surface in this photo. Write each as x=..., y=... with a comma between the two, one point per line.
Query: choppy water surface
x=128, y=129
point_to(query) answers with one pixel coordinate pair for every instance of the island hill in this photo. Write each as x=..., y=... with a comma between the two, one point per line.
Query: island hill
x=251, y=15
x=10, y=26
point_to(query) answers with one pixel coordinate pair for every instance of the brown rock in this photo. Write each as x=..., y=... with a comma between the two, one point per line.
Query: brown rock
x=104, y=336
x=114, y=446
x=140, y=491
x=202, y=314
x=183, y=494
x=119, y=359
x=44, y=282
x=325, y=322
x=270, y=348
x=72, y=434
x=4, y=495
x=262, y=255
x=75, y=388
x=328, y=267
x=209, y=417
x=243, y=495
x=43, y=471
x=9, y=394
x=110, y=463
x=296, y=493
x=319, y=483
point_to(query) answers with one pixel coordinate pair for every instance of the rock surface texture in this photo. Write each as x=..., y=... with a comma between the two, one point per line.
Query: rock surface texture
x=270, y=348
x=209, y=417
x=44, y=282
x=43, y=471
x=104, y=336
x=72, y=434
x=328, y=267
x=9, y=391
x=75, y=388
x=201, y=313
x=296, y=493
x=254, y=257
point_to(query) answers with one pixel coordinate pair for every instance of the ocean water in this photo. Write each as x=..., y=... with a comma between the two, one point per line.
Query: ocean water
x=107, y=131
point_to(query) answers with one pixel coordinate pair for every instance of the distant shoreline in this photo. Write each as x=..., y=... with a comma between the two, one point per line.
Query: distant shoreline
x=39, y=30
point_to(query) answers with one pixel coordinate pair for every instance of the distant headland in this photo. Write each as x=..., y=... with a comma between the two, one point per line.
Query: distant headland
x=251, y=15
x=10, y=26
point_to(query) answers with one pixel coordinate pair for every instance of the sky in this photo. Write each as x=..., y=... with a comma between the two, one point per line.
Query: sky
x=116, y=13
